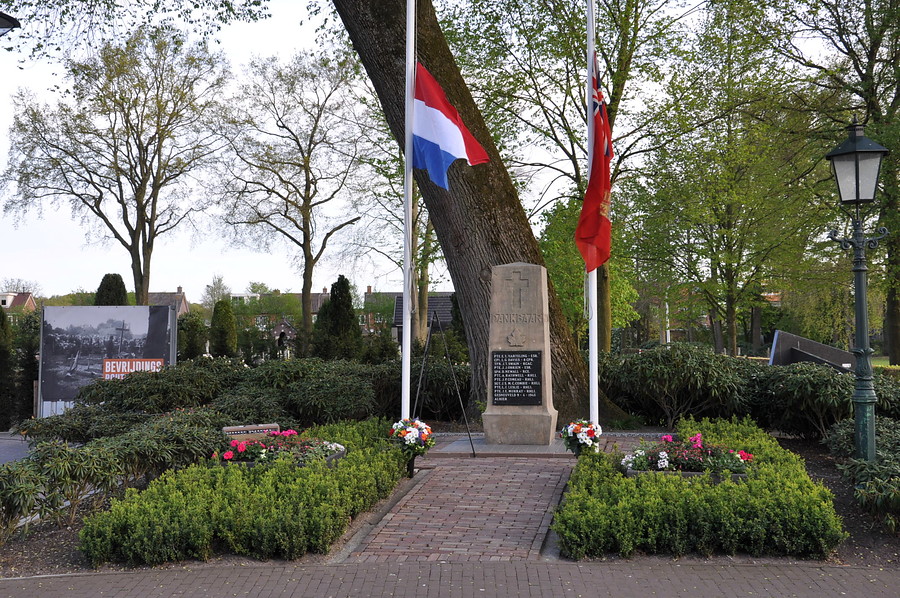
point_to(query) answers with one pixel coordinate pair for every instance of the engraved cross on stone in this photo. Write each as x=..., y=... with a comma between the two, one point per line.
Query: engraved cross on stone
x=521, y=285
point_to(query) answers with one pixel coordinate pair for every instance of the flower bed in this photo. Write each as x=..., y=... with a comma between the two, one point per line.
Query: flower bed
x=279, y=445
x=691, y=455
x=777, y=510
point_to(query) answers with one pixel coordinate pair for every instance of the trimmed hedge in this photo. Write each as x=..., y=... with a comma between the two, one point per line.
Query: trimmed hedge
x=272, y=511
x=777, y=510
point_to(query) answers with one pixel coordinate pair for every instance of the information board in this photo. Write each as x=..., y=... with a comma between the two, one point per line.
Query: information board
x=516, y=377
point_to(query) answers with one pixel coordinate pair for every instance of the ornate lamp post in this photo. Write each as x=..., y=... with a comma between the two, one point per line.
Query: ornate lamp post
x=856, y=164
x=7, y=23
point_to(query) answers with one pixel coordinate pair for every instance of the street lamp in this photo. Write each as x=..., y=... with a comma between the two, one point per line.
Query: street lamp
x=855, y=164
x=7, y=23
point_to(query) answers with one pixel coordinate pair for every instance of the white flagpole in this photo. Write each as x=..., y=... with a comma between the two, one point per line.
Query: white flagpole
x=406, y=344
x=593, y=335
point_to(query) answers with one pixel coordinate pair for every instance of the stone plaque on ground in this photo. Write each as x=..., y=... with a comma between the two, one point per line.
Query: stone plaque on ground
x=520, y=402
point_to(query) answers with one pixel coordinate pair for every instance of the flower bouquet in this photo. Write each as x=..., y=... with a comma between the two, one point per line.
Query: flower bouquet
x=691, y=455
x=581, y=435
x=413, y=435
x=278, y=445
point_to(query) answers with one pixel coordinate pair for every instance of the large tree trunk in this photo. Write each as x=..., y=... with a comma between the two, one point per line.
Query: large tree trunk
x=481, y=223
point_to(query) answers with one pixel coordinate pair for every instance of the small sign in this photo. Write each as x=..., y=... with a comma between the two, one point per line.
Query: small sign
x=116, y=369
x=516, y=377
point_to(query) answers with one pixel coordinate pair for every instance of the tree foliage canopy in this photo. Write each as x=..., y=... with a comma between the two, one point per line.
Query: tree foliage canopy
x=119, y=150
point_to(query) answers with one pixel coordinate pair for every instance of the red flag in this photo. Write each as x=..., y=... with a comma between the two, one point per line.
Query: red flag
x=593, y=233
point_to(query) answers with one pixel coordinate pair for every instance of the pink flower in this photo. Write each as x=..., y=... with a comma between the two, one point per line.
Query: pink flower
x=241, y=447
x=289, y=433
x=745, y=456
x=227, y=455
x=235, y=442
x=667, y=438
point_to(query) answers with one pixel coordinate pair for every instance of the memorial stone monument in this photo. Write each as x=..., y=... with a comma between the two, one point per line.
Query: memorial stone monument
x=520, y=398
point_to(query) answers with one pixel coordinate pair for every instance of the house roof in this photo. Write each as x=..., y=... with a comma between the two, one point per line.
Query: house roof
x=176, y=300
x=23, y=300
x=438, y=303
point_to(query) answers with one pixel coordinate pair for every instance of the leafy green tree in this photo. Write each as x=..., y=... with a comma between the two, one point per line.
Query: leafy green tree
x=565, y=268
x=850, y=55
x=214, y=292
x=121, y=149
x=7, y=372
x=192, y=335
x=292, y=161
x=111, y=291
x=223, y=330
x=336, y=334
x=713, y=215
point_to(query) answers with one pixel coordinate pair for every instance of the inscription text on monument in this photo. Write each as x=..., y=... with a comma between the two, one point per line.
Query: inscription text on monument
x=516, y=377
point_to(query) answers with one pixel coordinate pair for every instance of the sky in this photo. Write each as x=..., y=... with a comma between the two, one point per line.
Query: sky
x=51, y=248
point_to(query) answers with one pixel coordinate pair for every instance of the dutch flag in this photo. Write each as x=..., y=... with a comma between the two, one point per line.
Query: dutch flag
x=439, y=135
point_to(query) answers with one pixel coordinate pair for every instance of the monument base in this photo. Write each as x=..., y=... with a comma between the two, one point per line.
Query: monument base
x=527, y=425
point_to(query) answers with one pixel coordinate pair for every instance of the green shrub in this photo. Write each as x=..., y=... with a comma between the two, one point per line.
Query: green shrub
x=248, y=405
x=877, y=482
x=666, y=382
x=189, y=384
x=439, y=395
x=81, y=423
x=777, y=510
x=70, y=474
x=803, y=398
x=21, y=484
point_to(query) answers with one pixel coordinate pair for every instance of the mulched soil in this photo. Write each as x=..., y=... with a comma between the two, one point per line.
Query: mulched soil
x=49, y=549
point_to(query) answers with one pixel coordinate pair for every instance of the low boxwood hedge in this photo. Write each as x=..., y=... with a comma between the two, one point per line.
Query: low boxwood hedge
x=777, y=510
x=272, y=511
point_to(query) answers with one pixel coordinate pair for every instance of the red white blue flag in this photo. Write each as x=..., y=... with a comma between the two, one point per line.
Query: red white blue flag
x=439, y=135
x=593, y=235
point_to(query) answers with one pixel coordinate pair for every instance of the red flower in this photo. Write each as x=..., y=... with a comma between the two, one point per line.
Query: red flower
x=227, y=455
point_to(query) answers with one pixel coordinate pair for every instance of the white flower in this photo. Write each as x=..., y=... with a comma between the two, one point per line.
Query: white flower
x=663, y=461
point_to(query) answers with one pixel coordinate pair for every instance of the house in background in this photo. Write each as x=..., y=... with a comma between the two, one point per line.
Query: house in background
x=386, y=309
x=439, y=304
x=378, y=311
x=18, y=302
x=272, y=317
x=176, y=300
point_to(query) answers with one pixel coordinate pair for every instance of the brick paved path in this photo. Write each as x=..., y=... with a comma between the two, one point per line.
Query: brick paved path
x=484, y=509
